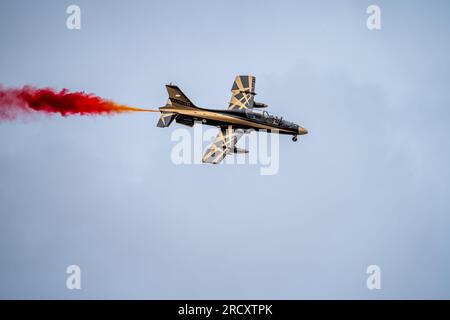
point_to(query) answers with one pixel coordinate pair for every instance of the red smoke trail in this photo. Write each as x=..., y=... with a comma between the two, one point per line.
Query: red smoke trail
x=15, y=102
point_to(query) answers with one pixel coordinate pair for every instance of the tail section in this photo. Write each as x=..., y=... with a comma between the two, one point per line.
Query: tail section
x=177, y=97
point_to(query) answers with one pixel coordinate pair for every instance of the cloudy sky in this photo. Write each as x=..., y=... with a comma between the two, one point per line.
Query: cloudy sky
x=369, y=185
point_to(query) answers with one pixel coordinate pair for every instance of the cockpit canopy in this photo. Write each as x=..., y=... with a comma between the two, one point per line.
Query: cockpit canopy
x=268, y=118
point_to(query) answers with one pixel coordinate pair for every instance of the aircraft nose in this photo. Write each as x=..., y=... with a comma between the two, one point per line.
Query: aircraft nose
x=302, y=130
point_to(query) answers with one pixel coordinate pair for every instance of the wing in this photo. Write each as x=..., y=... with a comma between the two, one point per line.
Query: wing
x=242, y=93
x=224, y=143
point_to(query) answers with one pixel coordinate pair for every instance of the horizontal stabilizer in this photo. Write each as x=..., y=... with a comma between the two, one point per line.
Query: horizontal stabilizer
x=166, y=119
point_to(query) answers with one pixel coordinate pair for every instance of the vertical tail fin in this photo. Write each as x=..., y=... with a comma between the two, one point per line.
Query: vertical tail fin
x=177, y=97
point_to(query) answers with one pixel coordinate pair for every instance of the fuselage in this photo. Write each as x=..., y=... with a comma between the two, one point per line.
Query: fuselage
x=239, y=119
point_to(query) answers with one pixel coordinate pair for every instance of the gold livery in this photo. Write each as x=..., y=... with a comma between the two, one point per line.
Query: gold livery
x=238, y=119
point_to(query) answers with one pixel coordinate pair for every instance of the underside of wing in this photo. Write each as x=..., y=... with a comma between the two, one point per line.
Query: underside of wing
x=224, y=143
x=242, y=93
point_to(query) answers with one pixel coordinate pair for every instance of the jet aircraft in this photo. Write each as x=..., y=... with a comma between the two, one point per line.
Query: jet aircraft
x=240, y=118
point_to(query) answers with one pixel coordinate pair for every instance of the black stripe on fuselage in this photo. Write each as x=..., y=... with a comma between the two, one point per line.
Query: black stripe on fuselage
x=237, y=119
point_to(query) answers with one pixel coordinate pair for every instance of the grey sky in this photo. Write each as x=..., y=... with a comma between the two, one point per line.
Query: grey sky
x=368, y=185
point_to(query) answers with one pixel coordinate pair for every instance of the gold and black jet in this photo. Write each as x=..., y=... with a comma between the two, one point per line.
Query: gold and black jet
x=240, y=118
